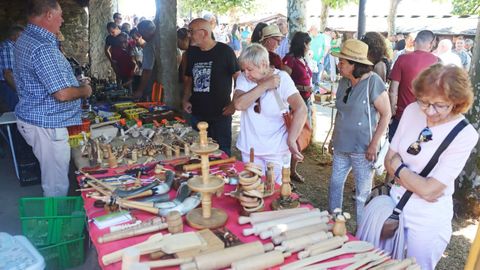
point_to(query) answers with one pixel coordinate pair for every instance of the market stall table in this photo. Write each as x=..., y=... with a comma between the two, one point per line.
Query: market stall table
x=227, y=203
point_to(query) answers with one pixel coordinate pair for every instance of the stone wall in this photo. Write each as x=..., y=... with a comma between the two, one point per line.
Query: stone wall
x=101, y=12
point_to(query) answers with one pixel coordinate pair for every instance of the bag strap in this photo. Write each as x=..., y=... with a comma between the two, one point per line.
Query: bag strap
x=279, y=101
x=430, y=165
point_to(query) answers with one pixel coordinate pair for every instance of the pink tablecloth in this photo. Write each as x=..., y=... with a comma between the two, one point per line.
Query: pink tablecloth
x=228, y=204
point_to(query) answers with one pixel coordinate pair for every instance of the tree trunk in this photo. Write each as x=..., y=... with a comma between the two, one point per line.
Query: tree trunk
x=296, y=10
x=467, y=194
x=324, y=16
x=100, y=13
x=165, y=40
x=392, y=14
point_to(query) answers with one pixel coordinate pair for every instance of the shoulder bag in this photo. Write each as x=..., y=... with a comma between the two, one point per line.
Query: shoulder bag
x=305, y=136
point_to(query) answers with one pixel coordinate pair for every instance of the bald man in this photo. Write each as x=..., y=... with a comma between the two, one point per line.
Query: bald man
x=211, y=68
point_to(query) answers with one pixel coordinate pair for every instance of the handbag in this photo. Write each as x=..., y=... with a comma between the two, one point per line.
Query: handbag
x=390, y=225
x=303, y=140
x=378, y=164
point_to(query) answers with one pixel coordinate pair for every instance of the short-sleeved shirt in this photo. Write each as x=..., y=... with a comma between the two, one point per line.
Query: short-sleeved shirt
x=275, y=60
x=317, y=45
x=124, y=60
x=283, y=47
x=110, y=41
x=211, y=73
x=148, y=56
x=265, y=131
x=301, y=73
x=40, y=70
x=404, y=71
x=6, y=57
x=352, y=134
x=449, y=166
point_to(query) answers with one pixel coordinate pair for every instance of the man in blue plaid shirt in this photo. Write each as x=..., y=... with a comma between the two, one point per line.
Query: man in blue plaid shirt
x=8, y=94
x=49, y=94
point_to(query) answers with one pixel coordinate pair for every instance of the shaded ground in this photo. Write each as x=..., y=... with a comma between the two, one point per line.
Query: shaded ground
x=316, y=169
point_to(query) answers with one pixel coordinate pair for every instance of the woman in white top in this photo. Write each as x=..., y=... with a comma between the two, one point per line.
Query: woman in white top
x=443, y=94
x=261, y=125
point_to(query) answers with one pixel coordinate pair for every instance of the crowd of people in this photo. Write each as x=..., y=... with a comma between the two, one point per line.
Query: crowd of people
x=410, y=87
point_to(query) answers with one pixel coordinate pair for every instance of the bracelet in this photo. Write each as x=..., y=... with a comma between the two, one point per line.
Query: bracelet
x=397, y=171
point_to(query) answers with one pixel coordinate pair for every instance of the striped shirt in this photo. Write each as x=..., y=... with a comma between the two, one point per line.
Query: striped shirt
x=6, y=57
x=283, y=47
x=40, y=70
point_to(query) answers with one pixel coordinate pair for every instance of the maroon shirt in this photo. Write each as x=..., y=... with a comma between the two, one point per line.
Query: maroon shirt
x=301, y=73
x=275, y=60
x=406, y=68
x=124, y=61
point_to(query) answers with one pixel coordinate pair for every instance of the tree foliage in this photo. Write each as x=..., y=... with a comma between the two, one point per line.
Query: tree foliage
x=337, y=4
x=466, y=7
x=216, y=6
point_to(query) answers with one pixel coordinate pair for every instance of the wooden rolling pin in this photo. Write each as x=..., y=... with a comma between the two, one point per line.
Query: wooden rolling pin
x=260, y=227
x=280, y=228
x=327, y=245
x=153, y=225
x=130, y=257
x=258, y=217
x=300, y=232
x=191, y=167
x=297, y=244
x=224, y=258
x=261, y=261
x=167, y=262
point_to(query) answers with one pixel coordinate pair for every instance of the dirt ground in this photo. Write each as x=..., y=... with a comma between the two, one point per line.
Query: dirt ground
x=316, y=168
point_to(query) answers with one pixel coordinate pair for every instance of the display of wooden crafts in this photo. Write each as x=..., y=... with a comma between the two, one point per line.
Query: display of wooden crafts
x=250, y=189
x=206, y=184
x=339, y=228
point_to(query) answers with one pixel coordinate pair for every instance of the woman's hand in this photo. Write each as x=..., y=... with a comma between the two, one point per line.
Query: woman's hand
x=293, y=146
x=371, y=154
x=270, y=82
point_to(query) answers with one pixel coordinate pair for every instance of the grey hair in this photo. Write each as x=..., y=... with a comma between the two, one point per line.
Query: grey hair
x=255, y=54
x=446, y=43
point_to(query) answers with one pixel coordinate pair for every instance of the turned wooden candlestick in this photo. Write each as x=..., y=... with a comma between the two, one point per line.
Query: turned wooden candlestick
x=285, y=201
x=206, y=184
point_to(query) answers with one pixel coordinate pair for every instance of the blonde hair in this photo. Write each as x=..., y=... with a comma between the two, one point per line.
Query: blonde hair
x=447, y=80
x=254, y=54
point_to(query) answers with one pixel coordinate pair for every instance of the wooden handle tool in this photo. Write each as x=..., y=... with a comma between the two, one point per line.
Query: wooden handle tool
x=261, y=261
x=297, y=244
x=280, y=228
x=152, y=226
x=324, y=246
x=258, y=217
x=168, y=262
x=117, y=255
x=300, y=232
x=130, y=257
x=191, y=167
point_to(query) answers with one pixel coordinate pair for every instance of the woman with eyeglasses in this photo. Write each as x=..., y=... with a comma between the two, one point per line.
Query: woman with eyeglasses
x=362, y=100
x=443, y=94
x=260, y=93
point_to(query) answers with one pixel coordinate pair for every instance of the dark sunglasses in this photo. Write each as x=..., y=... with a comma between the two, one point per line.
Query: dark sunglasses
x=347, y=94
x=425, y=136
x=256, y=108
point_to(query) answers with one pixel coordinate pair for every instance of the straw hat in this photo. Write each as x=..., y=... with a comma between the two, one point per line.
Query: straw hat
x=271, y=30
x=354, y=50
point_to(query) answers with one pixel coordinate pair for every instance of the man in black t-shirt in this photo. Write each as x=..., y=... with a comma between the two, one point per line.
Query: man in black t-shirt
x=110, y=40
x=211, y=67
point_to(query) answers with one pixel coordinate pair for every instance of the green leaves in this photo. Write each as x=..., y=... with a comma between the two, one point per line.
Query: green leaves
x=217, y=6
x=466, y=7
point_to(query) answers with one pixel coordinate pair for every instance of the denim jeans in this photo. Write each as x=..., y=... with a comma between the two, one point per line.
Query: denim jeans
x=317, y=77
x=362, y=174
x=219, y=129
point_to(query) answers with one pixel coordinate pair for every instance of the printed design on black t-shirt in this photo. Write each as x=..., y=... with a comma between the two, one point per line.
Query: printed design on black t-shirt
x=201, y=76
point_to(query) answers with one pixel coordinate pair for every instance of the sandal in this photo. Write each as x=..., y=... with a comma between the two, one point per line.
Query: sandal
x=297, y=178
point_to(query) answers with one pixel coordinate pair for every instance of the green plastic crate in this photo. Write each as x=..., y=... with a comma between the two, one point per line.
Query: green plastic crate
x=64, y=255
x=52, y=220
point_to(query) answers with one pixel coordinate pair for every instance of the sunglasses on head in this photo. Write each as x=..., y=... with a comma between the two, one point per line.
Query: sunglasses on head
x=425, y=136
x=347, y=94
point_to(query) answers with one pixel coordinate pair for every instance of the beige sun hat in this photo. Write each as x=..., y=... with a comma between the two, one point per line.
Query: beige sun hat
x=271, y=30
x=354, y=50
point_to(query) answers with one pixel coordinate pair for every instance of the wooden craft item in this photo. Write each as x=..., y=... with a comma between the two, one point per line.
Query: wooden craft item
x=212, y=243
x=375, y=263
x=339, y=228
x=167, y=262
x=261, y=261
x=224, y=258
x=252, y=155
x=153, y=225
x=258, y=217
x=402, y=264
x=117, y=255
x=206, y=184
x=139, y=266
x=269, y=180
x=130, y=257
x=177, y=151
x=280, y=228
x=297, y=244
x=354, y=262
x=191, y=167
x=349, y=247
x=385, y=265
x=285, y=201
x=300, y=232
x=366, y=258
x=112, y=160
x=259, y=227
x=168, y=244
x=324, y=246
x=174, y=221
x=186, y=149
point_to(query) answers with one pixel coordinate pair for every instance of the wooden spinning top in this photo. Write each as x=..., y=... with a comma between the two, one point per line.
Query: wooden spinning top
x=206, y=184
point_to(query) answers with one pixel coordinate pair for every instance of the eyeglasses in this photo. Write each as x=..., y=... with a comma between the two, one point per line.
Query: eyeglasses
x=425, y=136
x=190, y=31
x=439, y=108
x=256, y=108
x=347, y=94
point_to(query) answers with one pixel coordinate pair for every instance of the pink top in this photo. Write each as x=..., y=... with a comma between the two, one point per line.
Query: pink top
x=301, y=73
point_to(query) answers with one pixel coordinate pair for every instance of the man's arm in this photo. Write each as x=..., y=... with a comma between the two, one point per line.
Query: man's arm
x=187, y=93
x=107, y=52
x=72, y=93
x=393, y=94
x=138, y=93
x=8, y=75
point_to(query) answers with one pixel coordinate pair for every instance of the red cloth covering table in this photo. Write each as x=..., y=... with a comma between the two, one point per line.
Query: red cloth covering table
x=227, y=203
